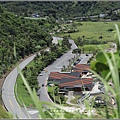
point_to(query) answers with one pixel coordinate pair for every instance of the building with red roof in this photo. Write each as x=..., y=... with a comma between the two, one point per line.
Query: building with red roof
x=75, y=80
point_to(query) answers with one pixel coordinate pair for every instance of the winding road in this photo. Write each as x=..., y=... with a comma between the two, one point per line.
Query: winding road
x=8, y=95
x=55, y=67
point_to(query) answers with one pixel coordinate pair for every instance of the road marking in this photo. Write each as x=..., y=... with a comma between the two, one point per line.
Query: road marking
x=59, y=67
x=11, y=103
x=33, y=112
x=61, y=61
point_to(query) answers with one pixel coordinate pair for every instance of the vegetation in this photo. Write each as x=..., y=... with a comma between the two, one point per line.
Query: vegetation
x=64, y=10
x=100, y=65
x=91, y=48
x=3, y=113
x=92, y=32
x=74, y=101
x=27, y=35
x=54, y=95
x=77, y=50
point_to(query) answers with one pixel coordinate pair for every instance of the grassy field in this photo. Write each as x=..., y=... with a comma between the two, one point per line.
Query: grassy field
x=21, y=93
x=93, y=48
x=92, y=31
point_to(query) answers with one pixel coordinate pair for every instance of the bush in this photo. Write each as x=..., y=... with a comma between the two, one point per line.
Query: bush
x=110, y=29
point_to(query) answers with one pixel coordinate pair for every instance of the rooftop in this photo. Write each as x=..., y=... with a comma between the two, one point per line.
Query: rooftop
x=57, y=75
x=72, y=82
x=75, y=78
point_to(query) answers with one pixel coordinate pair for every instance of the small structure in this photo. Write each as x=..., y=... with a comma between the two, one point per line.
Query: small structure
x=35, y=15
x=69, y=21
x=76, y=85
x=102, y=15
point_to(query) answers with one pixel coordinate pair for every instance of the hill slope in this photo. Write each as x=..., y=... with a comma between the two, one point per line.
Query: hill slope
x=64, y=9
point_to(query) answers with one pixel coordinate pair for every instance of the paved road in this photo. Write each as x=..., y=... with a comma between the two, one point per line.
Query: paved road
x=8, y=95
x=85, y=58
x=55, y=67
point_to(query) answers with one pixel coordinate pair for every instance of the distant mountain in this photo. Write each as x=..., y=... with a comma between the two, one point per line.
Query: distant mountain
x=62, y=9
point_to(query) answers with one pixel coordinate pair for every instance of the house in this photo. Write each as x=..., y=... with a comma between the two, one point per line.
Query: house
x=82, y=68
x=102, y=15
x=56, y=77
x=69, y=21
x=76, y=85
x=35, y=15
x=75, y=81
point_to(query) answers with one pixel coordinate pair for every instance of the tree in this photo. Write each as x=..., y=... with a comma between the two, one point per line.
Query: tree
x=53, y=47
x=42, y=53
x=62, y=98
x=69, y=61
x=101, y=37
x=80, y=41
x=65, y=43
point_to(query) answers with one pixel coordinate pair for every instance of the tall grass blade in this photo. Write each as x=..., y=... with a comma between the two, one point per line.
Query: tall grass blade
x=33, y=96
x=118, y=35
x=15, y=51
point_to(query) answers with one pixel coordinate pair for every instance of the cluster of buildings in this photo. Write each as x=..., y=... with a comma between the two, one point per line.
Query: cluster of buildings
x=79, y=79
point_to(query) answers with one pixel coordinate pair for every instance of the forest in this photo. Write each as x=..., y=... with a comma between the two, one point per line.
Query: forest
x=29, y=36
x=65, y=9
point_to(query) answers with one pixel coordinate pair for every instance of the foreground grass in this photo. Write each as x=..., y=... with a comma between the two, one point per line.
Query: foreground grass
x=3, y=113
x=74, y=101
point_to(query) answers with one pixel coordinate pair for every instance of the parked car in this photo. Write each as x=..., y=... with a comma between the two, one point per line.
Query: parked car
x=45, y=70
x=81, y=58
x=40, y=74
x=77, y=60
x=74, y=64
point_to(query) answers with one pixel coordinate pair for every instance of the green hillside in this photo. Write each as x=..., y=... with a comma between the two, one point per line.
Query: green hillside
x=25, y=34
x=64, y=9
